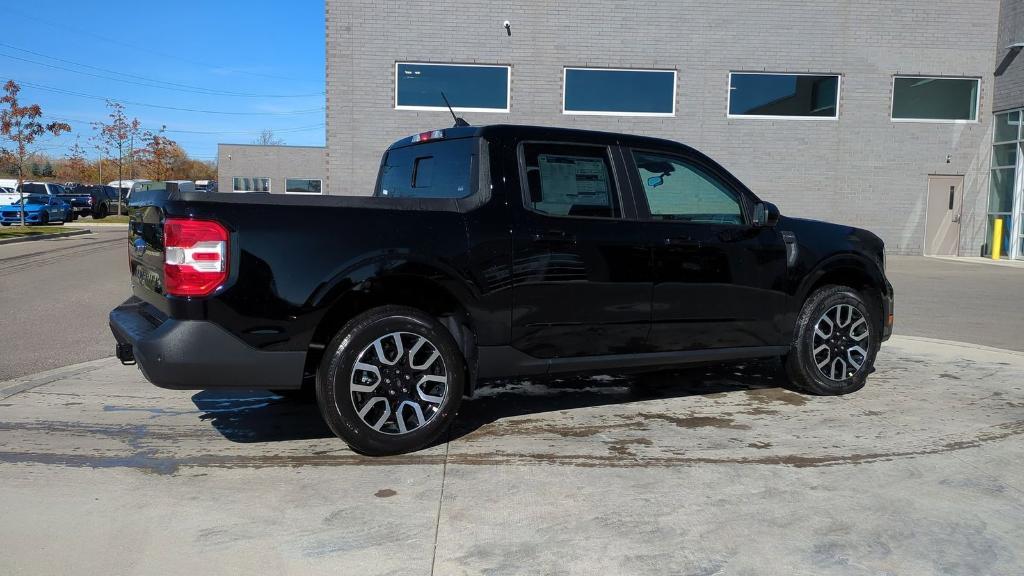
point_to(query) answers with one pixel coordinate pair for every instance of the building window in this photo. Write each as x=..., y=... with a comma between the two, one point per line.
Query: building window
x=258, y=184
x=928, y=99
x=1006, y=198
x=468, y=87
x=758, y=95
x=617, y=92
x=303, y=186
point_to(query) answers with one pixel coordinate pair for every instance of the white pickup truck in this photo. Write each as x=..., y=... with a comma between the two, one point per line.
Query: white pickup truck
x=8, y=191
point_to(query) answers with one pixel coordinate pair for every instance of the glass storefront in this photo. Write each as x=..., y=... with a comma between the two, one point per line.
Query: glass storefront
x=1005, y=200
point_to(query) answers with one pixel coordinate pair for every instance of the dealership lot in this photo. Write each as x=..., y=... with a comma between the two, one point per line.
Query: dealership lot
x=697, y=472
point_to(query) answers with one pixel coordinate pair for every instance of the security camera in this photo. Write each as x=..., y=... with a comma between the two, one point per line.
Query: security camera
x=508, y=27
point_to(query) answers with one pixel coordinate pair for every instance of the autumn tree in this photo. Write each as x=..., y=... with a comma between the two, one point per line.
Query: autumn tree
x=118, y=135
x=267, y=138
x=75, y=167
x=161, y=156
x=20, y=127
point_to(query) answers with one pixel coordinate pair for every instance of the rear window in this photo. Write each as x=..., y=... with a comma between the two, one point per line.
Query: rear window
x=432, y=170
x=33, y=188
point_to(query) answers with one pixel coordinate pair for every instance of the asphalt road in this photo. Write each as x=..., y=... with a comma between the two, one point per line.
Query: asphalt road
x=55, y=298
x=57, y=293
x=964, y=301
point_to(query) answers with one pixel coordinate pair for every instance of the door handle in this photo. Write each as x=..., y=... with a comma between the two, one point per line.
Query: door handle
x=682, y=241
x=956, y=218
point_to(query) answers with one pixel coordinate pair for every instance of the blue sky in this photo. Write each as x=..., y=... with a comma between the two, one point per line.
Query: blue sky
x=210, y=71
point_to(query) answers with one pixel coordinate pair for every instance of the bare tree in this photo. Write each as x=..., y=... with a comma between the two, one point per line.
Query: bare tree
x=21, y=126
x=119, y=134
x=267, y=138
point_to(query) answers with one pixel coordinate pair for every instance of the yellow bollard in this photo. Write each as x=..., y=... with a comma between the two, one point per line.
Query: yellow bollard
x=997, y=238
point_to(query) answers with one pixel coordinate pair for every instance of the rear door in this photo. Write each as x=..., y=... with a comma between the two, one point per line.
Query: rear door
x=719, y=282
x=581, y=276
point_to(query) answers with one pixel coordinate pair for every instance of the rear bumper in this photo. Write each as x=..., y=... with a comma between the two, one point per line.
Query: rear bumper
x=198, y=355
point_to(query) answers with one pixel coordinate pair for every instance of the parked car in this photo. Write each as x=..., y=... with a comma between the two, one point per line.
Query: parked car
x=493, y=252
x=8, y=195
x=48, y=188
x=206, y=185
x=30, y=188
x=97, y=201
x=39, y=209
x=125, y=187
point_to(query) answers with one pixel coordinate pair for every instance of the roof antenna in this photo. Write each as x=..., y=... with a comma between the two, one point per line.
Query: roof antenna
x=459, y=122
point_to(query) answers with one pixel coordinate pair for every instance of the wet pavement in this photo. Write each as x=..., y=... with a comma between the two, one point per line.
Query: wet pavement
x=703, y=471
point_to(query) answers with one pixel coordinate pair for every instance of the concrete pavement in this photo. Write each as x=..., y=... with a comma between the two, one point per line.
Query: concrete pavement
x=711, y=471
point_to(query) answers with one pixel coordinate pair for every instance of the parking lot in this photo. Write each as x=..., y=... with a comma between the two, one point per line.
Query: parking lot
x=706, y=471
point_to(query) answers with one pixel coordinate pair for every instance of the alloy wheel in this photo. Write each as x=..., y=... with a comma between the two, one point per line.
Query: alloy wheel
x=398, y=383
x=842, y=338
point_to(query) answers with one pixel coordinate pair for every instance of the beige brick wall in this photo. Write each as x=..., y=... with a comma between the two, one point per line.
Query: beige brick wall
x=862, y=169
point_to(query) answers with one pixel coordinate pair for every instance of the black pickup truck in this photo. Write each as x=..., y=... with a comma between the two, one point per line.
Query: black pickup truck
x=96, y=201
x=489, y=252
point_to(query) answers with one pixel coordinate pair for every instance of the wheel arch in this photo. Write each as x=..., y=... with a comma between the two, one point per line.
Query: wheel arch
x=851, y=270
x=419, y=285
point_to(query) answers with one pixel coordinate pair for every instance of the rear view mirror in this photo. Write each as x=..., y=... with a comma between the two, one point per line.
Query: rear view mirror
x=655, y=181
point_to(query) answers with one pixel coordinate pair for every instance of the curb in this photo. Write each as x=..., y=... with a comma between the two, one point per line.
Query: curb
x=957, y=344
x=98, y=224
x=45, y=236
x=16, y=385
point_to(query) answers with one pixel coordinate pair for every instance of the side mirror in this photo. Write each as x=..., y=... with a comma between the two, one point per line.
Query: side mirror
x=655, y=181
x=766, y=215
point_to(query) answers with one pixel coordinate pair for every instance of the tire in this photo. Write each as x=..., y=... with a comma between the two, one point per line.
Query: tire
x=44, y=218
x=5, y=223
x=828, y=365
x=100, y=213
x=391, y=425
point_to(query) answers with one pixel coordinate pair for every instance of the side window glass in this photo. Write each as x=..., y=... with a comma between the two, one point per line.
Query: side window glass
x=566, y=180
x=680, y=190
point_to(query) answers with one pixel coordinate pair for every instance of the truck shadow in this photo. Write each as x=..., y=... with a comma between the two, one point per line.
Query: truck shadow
x=254, y=416
x=249, y=416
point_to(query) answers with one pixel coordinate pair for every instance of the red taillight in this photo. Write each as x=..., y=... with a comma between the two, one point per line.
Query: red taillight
x=428, y=136
x=195, y=256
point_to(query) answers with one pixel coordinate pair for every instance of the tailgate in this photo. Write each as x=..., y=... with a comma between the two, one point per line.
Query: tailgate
x=146, y=247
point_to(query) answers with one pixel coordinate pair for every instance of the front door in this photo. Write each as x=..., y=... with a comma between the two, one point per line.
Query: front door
x=719, y=282
x=581, y=275
x=945, y=204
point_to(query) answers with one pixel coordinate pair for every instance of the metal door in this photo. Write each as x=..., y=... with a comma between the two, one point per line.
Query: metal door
x=942, y=224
